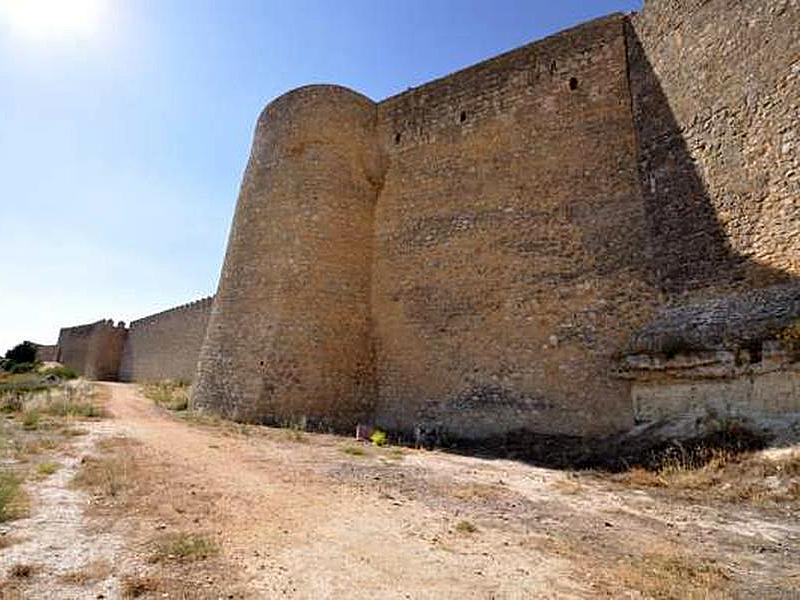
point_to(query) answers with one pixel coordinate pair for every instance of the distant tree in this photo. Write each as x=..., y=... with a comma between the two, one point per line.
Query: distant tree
x=22, y=353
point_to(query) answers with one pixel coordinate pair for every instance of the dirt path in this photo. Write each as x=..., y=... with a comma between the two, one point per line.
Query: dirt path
x=315, y=516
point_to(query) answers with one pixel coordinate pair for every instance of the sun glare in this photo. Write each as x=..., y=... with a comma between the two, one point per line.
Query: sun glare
x=52, y=18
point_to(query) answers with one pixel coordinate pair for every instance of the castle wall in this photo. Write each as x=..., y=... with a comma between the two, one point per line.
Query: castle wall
x=473, y=257
x=93, y=350
x=46, y=352
x=166, y=345
x=511, y=255
x=289, y=334
x=715, y=86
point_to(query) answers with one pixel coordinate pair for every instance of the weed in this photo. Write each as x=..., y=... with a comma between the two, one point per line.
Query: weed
x=568, y=486
x=172, y=395
x=673, y=576
x=378, y=438
x=395, y=453
x=74, y=431
x=11, y=402
x=295, y=435
x=475, y=491
x=12, y=497
x=466, y=527
x=107, y=476
x=182, y=547
x=93, y=571
x=135, y=587
x=22, y=570
x=354, y=451
x=71, y=408
x=47, y=468
x=754, y=478
x=30, y=419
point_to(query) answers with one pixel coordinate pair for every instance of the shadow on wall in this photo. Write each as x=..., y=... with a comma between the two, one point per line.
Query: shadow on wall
x=689, y=246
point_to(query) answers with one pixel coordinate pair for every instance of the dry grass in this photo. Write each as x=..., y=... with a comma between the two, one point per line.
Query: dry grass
x=466, y=527
x=297, y=436
x=669, y=575
x=136, y=587
x=30, y=419
x=172, y=395
x=474, y=491
x=569, y=487
x=94, y=571
x=182, y=547
x=22, y=570
x=109, y=475
x=44, y=469
x=32, y=406
x=74, y=431
x=354, y=451
x=13, y=500
x=203, y=419
x=756, y=478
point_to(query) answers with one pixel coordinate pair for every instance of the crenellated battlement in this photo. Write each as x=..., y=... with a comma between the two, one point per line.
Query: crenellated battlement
x=200, y=304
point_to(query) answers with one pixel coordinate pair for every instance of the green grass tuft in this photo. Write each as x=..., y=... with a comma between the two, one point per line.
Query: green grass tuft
x=47, y=468
x=183, y=547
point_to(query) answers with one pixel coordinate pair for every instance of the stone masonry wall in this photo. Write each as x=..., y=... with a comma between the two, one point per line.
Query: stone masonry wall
x=511, y=249
x=289, y=337
x=716, y=96
x=166, y=345
x=46, y=352
x=467, y=255
x=473, y=256
x=93, y=350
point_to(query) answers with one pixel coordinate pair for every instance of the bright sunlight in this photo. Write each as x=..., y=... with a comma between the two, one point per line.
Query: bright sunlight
x=52, y=18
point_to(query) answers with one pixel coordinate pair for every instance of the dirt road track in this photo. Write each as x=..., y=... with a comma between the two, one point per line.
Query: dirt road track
x=304, y=519
x=315, y=516
x=299, y=522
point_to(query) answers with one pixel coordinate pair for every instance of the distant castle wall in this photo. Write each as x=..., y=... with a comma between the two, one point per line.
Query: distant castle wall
x=47, y=353
x=166, y=345
x=93, y=350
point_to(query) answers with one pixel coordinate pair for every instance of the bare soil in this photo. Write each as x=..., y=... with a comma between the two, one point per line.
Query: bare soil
x=288, y=514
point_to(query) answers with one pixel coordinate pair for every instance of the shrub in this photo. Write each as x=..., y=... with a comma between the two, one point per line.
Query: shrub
x=61, y=372
x=378, y=437
x=22, y=367
x=22, y=353
x=172, y=395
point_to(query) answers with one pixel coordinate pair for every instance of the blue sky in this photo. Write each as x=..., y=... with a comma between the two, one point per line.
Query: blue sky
x=122, y=144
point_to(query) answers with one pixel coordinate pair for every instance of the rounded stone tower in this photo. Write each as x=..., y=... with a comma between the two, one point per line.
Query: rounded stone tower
x=289, y=336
